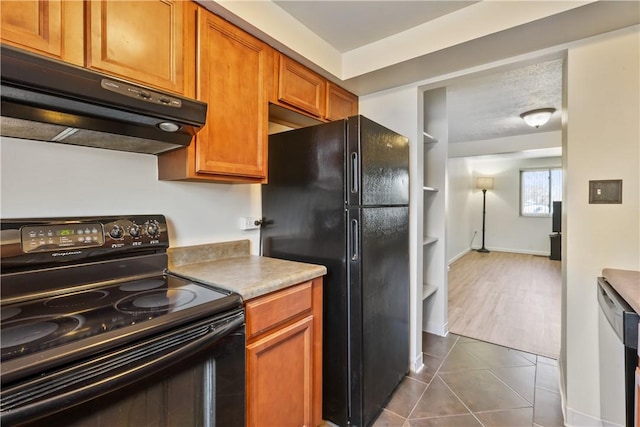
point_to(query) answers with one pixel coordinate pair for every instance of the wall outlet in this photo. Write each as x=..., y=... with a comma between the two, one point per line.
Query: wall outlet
x=250, y=223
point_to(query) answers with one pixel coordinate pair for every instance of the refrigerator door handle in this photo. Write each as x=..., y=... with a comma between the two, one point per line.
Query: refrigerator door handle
x=354, y=240
x=354, y=172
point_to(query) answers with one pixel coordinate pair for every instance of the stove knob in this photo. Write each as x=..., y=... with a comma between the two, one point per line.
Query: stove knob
x=116, y=232
x=134, y=231
x=153, y=229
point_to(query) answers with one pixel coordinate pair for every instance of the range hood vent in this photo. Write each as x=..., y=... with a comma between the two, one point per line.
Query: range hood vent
x=48, y=100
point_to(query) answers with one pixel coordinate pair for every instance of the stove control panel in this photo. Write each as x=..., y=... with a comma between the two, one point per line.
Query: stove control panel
x=46, y=240
x=136, y=232
x=41, y=238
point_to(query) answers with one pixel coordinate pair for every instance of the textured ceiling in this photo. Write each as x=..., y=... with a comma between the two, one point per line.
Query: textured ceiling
x=489, y=107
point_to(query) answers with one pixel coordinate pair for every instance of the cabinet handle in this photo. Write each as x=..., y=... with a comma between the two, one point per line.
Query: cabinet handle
x=354, y=240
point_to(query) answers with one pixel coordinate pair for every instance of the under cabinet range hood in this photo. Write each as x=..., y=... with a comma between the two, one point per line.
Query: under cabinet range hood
x=48, y=100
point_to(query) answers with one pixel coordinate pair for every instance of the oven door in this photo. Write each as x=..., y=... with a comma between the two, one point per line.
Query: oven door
x=193, y=376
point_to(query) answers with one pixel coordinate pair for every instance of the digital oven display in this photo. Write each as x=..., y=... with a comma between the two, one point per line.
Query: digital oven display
x=47, y=238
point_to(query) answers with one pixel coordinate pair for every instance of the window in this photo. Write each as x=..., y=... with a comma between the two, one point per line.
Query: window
x=539, y=188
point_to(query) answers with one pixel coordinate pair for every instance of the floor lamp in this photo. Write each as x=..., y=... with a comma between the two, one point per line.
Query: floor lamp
x=484, y=183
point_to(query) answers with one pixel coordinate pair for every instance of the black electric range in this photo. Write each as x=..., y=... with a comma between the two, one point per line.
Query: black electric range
x=77, y=289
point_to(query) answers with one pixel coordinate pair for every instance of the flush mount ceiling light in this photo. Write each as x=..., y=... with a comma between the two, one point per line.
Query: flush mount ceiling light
x=536, y=118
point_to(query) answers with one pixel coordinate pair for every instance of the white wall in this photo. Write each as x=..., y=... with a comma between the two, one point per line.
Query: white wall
x=506, y=230
x=459, y=212
x=602, y=142
x=47, y=179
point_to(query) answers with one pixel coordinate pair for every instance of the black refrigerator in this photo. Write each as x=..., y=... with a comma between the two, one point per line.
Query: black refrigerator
x=338, y=195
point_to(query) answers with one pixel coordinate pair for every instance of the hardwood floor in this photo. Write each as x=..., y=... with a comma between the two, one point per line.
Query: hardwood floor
x=508, y=299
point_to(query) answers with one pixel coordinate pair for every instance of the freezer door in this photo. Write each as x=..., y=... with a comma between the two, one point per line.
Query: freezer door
x=303, y=203
x=377, y=164
x=379, y=307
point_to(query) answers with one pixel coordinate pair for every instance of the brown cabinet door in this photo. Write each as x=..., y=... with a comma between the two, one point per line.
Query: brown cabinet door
x=300, y=87
x=232, y=74
x=280, y=377
x=138, y=40
x=340, y=103
x=37, y=26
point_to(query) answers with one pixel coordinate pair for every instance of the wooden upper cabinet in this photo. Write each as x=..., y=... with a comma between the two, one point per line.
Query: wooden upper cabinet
x=52, y=28
x=233, y=73
x=142, y=41
x=340, y=103
x=300, y=87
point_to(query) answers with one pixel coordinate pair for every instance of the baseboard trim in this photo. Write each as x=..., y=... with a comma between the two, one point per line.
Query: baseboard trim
x=515, y=251
x=562, y=388
x=578, y=419
x=437, y=328
x=460, y=255
x=573, y=418
x=417, y=364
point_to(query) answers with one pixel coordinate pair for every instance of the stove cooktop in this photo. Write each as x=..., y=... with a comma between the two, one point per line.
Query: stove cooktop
x=35, y=326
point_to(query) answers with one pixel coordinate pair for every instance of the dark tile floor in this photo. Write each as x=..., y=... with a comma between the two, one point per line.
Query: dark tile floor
x=466, y=382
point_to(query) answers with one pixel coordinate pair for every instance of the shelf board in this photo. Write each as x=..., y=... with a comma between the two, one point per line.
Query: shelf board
x=428, y=289
x=430, y=189
x=429, y=240
x=429, y=139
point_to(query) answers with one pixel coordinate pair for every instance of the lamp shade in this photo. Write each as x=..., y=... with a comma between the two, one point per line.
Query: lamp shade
x=484, y=183
x=537, y=118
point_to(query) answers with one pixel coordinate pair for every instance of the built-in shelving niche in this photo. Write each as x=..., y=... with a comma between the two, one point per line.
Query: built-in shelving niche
x=429, y=139
x=428, y=240
x=434, y=169
x=428, y=289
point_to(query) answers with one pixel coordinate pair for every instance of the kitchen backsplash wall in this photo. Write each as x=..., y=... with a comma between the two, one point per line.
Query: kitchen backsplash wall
x=40, y=179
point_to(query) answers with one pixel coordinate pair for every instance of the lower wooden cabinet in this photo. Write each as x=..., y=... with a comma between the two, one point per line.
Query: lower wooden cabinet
x=284, y=357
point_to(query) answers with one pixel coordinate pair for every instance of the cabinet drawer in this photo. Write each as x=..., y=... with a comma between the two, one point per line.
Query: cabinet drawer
x=266, y=312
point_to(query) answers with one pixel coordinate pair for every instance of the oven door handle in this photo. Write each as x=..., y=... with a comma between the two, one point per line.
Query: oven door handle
x=80, y=383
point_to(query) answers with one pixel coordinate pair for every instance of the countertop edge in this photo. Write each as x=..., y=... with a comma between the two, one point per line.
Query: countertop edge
x=626, y=283
x=272, y=286
x=250, y=276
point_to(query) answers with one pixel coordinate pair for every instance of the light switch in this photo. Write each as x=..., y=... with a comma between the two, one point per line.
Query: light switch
x=605, y=191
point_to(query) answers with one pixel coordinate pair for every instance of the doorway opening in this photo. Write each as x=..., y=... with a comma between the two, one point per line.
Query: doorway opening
x=511, y=295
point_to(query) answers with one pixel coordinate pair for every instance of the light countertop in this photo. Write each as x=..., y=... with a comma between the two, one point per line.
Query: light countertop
x=235, y=270
x=626, y=283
